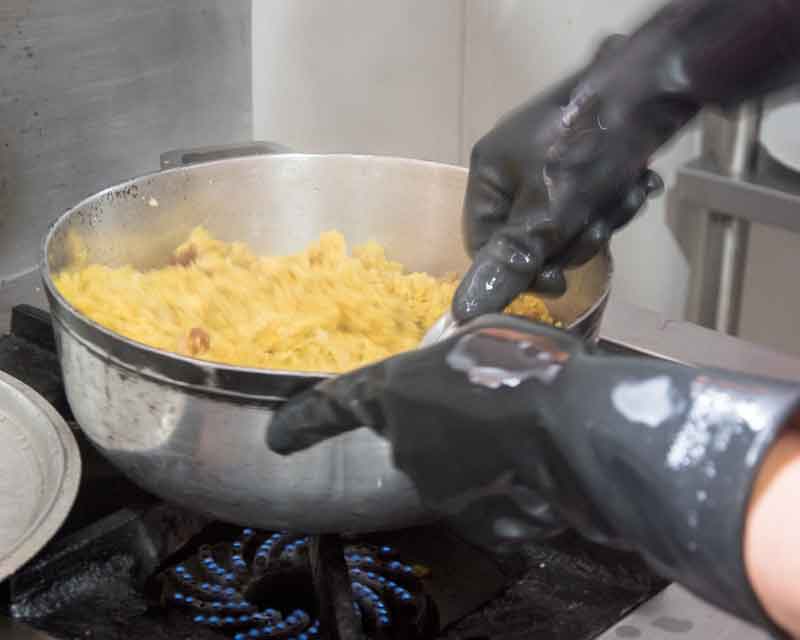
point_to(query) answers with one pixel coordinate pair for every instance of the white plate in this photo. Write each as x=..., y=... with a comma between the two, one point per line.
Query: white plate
x=780, y=134
x=40, y=471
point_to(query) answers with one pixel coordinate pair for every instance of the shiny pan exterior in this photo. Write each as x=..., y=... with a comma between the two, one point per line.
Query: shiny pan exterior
x=193, y=432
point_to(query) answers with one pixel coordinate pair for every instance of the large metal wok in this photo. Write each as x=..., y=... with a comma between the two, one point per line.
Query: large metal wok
x=193, y=432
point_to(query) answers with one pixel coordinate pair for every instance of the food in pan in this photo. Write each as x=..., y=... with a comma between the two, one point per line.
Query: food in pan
x=320, y=310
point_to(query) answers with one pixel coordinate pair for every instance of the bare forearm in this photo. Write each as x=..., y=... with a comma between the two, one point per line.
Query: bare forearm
x=773, y=531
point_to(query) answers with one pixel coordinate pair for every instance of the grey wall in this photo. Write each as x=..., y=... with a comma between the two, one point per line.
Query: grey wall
x=91, y=91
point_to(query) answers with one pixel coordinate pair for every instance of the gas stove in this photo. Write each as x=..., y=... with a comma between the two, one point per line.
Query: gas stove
x=126, y=565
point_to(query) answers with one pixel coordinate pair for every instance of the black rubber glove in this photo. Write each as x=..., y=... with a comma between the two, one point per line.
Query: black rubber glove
x=520, y=226
x=556, y=178
x=518, y=423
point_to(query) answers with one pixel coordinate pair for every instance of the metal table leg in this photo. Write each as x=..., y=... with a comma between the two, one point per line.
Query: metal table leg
x=731, y=143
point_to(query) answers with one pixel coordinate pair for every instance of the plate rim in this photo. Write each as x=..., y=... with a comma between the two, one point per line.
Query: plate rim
x=52, y=517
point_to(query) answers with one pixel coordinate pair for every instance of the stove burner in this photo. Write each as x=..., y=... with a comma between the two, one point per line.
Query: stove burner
x=243, y=588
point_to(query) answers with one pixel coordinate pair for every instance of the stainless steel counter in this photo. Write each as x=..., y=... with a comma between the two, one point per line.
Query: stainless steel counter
x=657, y=335
x=674, y=611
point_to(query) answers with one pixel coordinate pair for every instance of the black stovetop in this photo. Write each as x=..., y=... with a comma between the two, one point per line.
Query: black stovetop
x=103, y=575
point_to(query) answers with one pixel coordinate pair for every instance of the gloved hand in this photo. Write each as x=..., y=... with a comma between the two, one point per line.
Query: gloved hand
x=530, y=210
x=518, y=426
x=550, y=184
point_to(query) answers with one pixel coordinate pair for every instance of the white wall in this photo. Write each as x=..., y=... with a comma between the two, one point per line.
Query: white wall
x=373, y=76
x=426, y=79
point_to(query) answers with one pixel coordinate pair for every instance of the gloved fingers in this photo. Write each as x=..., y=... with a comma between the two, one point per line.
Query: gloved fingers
x=514, y=257
x=551, y=281
x=593, y=240
x=597, y=235
x=488, y=198
x=333, y=407
x=653, y=183
x=501, y=158
x=363, y=397
x=501, y=270
x=648, y=186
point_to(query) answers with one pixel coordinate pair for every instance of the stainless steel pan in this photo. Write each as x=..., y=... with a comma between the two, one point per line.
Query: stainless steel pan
x=193, y=432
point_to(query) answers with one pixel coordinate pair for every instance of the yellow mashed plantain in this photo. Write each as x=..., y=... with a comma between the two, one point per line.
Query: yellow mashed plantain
x=319, y=310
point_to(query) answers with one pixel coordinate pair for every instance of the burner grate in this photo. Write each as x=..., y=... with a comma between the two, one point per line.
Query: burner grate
x=260, y=585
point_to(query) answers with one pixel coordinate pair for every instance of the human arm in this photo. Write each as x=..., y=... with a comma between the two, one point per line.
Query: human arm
x=772, y=532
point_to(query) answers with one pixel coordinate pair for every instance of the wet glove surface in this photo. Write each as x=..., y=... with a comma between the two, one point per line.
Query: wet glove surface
x=513, y=431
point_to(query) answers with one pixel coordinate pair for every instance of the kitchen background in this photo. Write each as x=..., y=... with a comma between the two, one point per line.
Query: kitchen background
x=92, y=92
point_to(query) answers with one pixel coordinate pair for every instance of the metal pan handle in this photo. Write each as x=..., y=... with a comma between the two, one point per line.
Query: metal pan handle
x=185, y=157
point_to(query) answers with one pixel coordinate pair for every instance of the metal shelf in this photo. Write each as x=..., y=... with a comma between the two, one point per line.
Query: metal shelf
x=770, y=195
x=734, y=183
